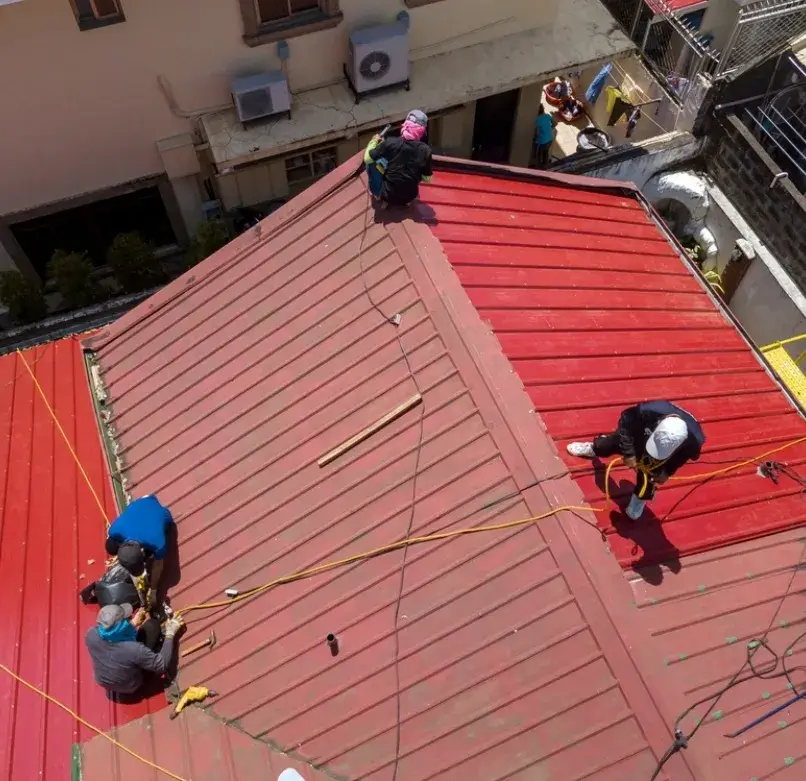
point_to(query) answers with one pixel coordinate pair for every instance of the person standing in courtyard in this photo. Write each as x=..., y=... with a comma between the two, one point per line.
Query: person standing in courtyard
x=544, y=137
x=656, y=438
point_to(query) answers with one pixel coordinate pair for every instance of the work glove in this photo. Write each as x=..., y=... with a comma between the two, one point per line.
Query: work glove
x=139, y=618
x=173, y=626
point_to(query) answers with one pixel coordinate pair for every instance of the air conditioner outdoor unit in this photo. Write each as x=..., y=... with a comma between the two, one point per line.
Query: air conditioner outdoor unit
x=378, y=58
x=261, y=96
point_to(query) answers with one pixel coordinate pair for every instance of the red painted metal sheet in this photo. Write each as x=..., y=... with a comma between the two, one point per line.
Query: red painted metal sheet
x=701, y=621
x=196, y=746
x=601, y=324
x=227, y=388
x=51, y=544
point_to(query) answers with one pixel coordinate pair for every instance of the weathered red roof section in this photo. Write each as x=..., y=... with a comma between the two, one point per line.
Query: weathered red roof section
x=596, y=310
x=51, y=529
x=195, y=746
x=225, y=389
x=701, y=621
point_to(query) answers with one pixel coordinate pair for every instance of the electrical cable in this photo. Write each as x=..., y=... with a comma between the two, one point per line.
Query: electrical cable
x=680, y=740
x=64, y=437
x=413, y=501
x=89, y=726
x=770, y=672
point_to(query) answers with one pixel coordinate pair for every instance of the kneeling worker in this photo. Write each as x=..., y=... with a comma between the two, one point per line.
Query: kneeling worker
x=655, y=437
x=397, y=165
x=138, y=534
x=122, y=648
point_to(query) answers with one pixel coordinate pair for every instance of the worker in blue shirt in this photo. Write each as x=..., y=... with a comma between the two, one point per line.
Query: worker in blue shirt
x=140, y=534
x=544, y=136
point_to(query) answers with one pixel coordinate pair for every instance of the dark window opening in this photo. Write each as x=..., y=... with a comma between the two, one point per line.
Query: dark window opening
x=91, y=14
x=92, y=227
x=274, y=10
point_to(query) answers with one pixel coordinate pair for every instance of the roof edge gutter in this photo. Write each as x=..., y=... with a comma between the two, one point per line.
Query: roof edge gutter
x=99, y=396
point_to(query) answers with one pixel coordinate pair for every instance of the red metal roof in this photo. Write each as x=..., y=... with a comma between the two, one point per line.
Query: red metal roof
x=195, y=746
x=227, y=386
x=596, y=310
x=676, y=6
x=51, y=529
x=701, y=621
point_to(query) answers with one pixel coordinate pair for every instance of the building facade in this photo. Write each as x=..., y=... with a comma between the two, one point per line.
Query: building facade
x=119, y=113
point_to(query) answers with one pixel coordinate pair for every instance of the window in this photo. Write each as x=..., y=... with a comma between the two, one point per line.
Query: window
x=92, y=227
x=97, y=13
x=305, y=168
x=273, y=10
x=272, y=20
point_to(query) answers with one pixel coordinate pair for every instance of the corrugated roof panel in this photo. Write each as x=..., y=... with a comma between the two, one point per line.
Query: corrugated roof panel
x=229, y=386
x=702, y=620
x=596, y=311
x=195, y=746
x=51, y=545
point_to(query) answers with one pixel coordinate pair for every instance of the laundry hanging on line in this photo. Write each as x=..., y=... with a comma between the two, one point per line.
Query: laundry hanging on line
x=597, y=85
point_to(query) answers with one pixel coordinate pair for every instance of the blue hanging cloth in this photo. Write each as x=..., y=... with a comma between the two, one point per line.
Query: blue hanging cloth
x=596, y=86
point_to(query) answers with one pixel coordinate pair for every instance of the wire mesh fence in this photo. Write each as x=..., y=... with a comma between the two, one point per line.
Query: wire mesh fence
x=761, y=29
x=670, y=45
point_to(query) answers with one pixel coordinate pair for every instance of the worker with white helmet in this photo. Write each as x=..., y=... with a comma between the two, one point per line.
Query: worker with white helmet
x=657, y=437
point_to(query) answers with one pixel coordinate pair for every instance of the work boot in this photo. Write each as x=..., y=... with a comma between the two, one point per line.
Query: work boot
x=635, y=509
x=581, y=449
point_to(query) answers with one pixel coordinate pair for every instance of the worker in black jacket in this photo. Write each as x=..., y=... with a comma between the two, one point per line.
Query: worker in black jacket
x=656, y=437
x=396, y=165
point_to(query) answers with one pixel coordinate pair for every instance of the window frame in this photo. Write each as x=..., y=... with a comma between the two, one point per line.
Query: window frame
x=86, y=23
x=257, y=33
x=298, y=185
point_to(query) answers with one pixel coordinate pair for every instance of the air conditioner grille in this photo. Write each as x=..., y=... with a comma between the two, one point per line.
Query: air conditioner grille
x=255, y=103
x=375, y=65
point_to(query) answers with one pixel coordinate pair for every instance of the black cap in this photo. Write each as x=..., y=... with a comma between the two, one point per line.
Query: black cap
x=132, y=558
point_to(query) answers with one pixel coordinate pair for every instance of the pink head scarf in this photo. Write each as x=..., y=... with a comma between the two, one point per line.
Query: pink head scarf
x=412, y=131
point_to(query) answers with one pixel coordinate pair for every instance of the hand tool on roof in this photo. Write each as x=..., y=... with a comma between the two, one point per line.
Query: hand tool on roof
x=760, y=719
x=211, y=641
x=193, y=694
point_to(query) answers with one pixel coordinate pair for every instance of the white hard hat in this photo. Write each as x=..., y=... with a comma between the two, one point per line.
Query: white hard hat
x=669, y=434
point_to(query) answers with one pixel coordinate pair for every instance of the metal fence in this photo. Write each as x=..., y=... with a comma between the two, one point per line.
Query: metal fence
x=762, y=28
x=671, y=45
x=778, y=119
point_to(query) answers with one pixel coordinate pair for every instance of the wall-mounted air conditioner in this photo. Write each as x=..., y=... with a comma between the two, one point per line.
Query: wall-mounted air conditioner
x=261, y=96
x=378, y=58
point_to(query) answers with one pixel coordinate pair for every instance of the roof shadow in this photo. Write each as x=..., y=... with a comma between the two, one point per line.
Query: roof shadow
x=416, y=212
x=647, y=534
x=172, y=568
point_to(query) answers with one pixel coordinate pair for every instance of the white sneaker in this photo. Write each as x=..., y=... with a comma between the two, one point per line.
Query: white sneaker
x=581, y=449
x=635, y=509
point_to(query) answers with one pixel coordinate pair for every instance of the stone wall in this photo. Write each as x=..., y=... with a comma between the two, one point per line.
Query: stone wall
x=744, y=171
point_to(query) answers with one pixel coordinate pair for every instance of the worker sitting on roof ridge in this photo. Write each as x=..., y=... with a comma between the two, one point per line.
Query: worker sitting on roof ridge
x=655, y=437
x=123, y=648
x=139, y=538
x=396, y=165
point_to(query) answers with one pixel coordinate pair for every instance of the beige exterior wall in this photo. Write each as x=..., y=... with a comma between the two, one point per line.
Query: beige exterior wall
x=83, y=110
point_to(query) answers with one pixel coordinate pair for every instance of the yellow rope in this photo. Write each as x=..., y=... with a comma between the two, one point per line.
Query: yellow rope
x=65, y=437
x=643, y=468
x=78, y=718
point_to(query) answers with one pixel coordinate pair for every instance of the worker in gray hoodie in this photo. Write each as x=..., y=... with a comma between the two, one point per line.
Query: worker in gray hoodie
x=123, y=646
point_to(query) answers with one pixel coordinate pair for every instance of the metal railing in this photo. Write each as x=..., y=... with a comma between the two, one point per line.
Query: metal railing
x=671, y=47
x=761, y=29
